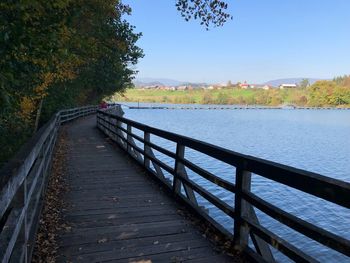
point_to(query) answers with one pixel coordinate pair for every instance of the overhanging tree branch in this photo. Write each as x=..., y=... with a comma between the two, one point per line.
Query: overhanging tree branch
x=209, y=12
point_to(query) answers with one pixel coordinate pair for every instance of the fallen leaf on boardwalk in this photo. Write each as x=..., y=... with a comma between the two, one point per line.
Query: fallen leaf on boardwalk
x=103, y=240
x=111, y=217
x=155, y=242
x=176, y=259
x=50, y=222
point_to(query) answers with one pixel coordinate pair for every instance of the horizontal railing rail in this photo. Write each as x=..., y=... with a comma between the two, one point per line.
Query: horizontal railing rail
x=246, y=223
x=22, y=185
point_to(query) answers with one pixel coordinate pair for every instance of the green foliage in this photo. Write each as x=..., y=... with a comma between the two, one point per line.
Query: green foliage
x=222, y=98
x=64, y=52
x=207, y=98
x=304, y=83
x=329, y=93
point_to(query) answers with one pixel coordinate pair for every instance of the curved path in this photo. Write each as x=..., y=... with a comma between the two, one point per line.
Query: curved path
x=117, y=213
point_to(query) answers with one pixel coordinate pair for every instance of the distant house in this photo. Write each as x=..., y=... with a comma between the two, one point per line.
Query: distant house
x=181, y=87
x=266, y=87
x=288, y=86
x=152, y=87
x=244, y=85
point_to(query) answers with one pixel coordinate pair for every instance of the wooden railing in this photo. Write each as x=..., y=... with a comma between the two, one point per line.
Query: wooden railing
x=246, y=223
x=22, y=185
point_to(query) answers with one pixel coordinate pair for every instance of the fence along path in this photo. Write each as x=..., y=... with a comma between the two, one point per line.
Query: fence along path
x=117, y=213
x=246, y=224
x=22, y=185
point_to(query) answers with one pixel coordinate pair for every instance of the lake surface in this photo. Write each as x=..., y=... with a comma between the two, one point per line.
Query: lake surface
x=314, y=140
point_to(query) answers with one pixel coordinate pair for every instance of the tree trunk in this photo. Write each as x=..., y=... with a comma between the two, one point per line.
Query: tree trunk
x=38, y=113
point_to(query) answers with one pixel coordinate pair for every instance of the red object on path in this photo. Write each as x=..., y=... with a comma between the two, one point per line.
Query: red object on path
x=103, y=105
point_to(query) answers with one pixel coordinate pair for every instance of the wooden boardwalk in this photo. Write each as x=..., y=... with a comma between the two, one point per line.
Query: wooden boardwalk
x=115, y=212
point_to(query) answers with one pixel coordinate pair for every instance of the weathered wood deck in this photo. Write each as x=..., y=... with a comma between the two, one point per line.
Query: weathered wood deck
x=118, y=213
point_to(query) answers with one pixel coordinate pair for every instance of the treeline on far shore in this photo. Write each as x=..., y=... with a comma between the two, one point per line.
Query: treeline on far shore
x=325, y=93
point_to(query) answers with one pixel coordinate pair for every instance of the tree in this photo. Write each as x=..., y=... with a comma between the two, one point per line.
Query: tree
x=209, y=12
x=60, y=53
x=304, y=83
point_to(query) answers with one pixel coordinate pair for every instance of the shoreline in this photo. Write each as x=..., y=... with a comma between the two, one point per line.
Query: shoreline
x=190, y=106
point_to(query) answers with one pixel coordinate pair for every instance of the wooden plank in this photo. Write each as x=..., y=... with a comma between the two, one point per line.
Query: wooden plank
x=112, y=220
x=131, y=243
x=178, y=256
x=130, y=232
x=153, y=249
x=112, y=211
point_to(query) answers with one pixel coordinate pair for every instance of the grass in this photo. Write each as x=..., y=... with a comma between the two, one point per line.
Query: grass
x=222, y=96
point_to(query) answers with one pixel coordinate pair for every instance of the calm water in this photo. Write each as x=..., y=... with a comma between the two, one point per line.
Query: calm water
x=315, y=140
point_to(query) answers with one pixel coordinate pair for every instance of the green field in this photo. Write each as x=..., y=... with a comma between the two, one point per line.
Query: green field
x=218, y=96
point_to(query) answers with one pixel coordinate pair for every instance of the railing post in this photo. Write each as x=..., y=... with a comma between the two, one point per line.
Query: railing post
x=128, y=136
x=181, y=171
x=109, y=126
x=26, y=230
x=180, y=152
x=147, y=149
x=119, y=139
x=105, y=123
x=244, y=209
x=241, y=230
x=115, y=129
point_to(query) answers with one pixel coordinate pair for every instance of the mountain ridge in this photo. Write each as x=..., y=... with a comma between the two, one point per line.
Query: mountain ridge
x=278, y=82
x=141, y=82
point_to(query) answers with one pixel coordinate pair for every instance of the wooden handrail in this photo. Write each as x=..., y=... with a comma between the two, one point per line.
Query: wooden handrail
x=243, y=214
x=22, y=184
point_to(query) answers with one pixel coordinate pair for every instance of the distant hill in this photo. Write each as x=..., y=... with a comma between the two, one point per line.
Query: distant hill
x=141, y=82
x=151, y=83
x=156, y=81
x=277, y=82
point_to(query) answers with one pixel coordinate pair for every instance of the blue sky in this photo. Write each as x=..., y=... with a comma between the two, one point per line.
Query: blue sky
x=267, y=39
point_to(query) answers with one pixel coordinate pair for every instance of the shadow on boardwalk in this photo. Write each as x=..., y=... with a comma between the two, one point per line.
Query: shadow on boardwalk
x=117, y=213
